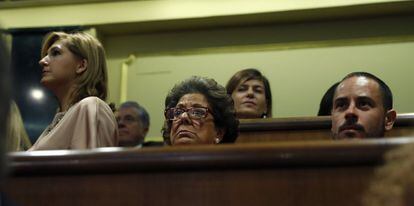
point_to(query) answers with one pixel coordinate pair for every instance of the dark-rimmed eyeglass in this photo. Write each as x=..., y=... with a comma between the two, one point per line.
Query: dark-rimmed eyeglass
x=194, y=112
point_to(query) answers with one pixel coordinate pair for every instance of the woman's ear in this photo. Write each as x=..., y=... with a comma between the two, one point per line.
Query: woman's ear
x=219, y=135
x=82, y=66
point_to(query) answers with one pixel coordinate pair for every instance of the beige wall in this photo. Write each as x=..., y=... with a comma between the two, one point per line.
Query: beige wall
x=298, y=77
x=46, y=14
x=301, y=60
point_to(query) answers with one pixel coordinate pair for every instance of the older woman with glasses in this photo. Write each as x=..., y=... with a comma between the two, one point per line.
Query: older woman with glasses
x=199, y=111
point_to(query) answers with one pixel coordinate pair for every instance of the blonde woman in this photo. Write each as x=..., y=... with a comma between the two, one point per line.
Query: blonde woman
x=16, y=136
x=74, y=69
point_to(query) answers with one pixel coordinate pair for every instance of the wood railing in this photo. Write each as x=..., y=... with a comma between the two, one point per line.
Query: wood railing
x=306, y=128
x=295, y=173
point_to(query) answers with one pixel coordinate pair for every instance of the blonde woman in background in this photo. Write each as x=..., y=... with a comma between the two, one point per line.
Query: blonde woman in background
x=16, y=135
x=74, y=69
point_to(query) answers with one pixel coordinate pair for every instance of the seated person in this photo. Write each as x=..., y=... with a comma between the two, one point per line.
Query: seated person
x=4, y=103
x=199, y=111
x=4, y=110
x=16, y=135
x=362, y=107
x=250, y=91
x=393, y=183
x=74, y=69
x=133, y=124
x=325, y=107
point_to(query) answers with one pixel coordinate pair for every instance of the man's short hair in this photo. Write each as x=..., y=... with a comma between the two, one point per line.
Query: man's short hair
x=141, y=112
x=385, y=90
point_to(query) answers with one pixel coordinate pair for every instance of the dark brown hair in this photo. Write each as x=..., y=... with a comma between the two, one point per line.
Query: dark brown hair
x=326, y=104
x=387, y=100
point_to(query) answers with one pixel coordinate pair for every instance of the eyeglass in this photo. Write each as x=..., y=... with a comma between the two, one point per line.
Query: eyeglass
x=193, y=112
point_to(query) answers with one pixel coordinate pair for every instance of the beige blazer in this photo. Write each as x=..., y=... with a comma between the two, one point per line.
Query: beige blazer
x=90, y=123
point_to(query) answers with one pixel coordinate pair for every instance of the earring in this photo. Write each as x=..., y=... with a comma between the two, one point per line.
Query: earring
x=217, y=140
x=264, y=115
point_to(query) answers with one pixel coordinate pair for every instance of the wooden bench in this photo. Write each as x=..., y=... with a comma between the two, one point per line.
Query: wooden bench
x=319, y=173
x=306, y=128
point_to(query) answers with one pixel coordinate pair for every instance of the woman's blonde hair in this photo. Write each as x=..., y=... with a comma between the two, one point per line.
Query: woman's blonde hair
x=16, y=136
x=92, y=82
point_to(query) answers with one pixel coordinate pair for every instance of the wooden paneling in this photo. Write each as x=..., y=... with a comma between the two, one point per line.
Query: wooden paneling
x=306, y=128
x=285, y=173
